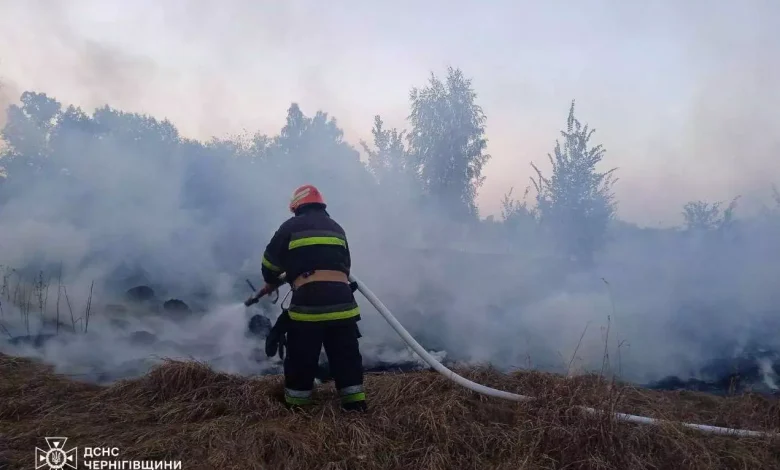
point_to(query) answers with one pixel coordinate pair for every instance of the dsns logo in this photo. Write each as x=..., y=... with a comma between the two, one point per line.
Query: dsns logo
x=56, y=457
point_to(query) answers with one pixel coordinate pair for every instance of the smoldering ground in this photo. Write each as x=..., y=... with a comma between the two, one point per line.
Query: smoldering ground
x=547, y=318
x=124, y=200
x=125, y=339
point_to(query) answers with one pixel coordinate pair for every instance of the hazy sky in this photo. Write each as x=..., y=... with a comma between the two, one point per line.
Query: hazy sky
x=683, y=94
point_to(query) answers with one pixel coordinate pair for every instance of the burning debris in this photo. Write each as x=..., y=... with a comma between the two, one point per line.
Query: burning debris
x=140, y=294
x=141, y=322
x=176, y=306
x=260, y=326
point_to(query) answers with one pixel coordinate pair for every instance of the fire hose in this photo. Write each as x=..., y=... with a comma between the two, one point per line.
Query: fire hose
x=488, y=391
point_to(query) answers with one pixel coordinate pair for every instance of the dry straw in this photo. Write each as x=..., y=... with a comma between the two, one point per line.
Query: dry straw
x=209, y=420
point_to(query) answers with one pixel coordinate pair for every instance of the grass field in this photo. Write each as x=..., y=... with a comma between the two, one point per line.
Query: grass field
x=185, y=411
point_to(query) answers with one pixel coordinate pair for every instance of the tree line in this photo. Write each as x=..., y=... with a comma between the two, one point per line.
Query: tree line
x=435, y=164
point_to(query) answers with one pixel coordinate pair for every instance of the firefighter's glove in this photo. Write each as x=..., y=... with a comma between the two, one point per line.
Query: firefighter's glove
x=272, y=342
x=353, y=286
x=277, y=338
x=282, y=346
x=276, y=344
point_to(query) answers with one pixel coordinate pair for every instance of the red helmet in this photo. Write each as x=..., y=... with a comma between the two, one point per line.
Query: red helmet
x=306, y=194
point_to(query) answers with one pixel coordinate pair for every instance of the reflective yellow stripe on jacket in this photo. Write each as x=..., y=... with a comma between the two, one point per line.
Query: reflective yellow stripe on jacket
x=316, y=237
x=329, y=313
x=270, y=265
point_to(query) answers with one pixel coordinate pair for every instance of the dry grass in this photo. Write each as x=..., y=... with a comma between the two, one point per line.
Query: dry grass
x=185, y=411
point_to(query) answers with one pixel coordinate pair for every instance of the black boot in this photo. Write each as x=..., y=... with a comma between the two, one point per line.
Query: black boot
x=359, y=406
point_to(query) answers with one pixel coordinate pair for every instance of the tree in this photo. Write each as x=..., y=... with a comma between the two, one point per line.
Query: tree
x=311, y=142
x=514, y=212
x=517, y=218
x=389, y=161
x=313, y=150
x=576, y=203
x=27, y=133
x=389, y=154
x=308, y=140
x=701, y=216
x=447, y=142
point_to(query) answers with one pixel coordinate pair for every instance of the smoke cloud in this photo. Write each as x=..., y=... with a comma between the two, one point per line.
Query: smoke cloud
x=684, y=98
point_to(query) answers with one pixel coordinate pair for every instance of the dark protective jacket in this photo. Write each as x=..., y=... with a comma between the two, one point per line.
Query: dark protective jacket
x=307, y=242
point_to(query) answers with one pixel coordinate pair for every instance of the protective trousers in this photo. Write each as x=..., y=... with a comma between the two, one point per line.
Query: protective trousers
x=304, y=344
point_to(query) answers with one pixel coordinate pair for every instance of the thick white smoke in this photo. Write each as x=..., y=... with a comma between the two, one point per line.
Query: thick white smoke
x=191, y=219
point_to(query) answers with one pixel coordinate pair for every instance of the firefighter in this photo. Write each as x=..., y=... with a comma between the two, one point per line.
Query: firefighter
x=312, y=250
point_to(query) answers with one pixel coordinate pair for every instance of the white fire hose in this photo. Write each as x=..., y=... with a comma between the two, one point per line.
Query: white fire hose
x=439, y=367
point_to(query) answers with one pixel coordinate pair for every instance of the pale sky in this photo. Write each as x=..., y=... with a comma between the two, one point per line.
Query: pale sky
x=684, y=94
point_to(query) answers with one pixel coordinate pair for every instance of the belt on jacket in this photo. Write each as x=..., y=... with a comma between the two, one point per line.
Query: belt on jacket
x=319, y=276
